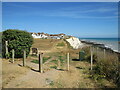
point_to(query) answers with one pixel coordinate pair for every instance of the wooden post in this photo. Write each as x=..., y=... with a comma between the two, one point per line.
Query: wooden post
x=58, y=67
x=68, y=61
x=37, y=52
x=6, y=47
x=104, y=53
x=24, y=58
x=13, y=54
x=97, y=53
x=91, y=49
x=40, y=63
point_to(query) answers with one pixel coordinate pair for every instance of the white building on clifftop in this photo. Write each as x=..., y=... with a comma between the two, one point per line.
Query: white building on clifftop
x=44, y=35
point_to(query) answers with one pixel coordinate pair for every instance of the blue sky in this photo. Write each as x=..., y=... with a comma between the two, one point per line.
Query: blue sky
x=82, y=19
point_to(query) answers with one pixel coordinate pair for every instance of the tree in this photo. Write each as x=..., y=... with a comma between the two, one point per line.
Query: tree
x=18, y=40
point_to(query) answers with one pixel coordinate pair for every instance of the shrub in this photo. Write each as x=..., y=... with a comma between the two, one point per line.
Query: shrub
x=17, y=40
x=104, y=67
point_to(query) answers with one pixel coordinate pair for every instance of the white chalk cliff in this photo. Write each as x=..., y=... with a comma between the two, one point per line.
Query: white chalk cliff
x=75, y=42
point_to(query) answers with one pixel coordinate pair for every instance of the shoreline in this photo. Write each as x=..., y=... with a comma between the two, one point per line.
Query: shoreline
x=100, y=45
x=78, y=43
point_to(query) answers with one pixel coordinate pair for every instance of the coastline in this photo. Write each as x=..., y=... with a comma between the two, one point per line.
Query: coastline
x=100, y=45
x=78, y=43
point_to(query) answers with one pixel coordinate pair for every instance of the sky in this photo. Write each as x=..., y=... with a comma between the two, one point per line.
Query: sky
x=81, y=19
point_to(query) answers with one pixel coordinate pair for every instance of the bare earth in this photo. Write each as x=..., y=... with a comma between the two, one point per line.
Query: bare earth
x=17, y=76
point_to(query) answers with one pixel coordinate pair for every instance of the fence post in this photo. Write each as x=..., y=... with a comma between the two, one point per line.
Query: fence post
x=68, y=61
x=40, y=63
x=24, y=58
x=97, y=52
x=91, y=49
x=58, y=67
x=6, y=47
x=104, y=53
x=13, y=54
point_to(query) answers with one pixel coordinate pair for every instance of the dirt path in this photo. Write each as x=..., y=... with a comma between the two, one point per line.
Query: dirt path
x=34, y=80
x=53, y=78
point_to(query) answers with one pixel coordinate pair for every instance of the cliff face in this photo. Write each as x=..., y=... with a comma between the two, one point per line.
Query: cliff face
x=75, y=42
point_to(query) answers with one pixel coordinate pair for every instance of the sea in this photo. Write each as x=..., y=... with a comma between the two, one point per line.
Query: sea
x=108, y=42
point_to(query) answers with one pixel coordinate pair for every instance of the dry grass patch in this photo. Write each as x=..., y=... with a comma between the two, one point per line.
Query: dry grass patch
x=44, y=44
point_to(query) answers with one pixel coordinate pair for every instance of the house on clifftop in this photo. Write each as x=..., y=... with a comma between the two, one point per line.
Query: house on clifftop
x=48, y=36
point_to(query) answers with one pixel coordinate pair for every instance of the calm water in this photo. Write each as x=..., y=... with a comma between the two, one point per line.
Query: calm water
x=108, y=42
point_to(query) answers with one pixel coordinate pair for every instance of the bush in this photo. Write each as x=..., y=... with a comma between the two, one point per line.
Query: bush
x=17, y=40
x=104, y=67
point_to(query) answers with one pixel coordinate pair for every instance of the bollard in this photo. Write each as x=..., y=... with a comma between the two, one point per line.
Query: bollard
x=24, y=58
x=13, y=54
x=68, y=61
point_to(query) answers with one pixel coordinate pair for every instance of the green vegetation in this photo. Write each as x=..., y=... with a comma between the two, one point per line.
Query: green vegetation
x=54, y=61
x=33, y=55
x=17, y=40
x=55, y=67
x=44, y=60
x=61, y=44
x=61, y=59
x=51, y=83
x=104, y=67
x=35, y=61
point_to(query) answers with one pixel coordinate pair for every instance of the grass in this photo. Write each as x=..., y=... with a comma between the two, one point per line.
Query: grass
x=44, y=60
x=33, y=55
x=44, y=44
x=51, y=83
x=35, y=61
x=55, y=67
x=54, y=61
x=61, y=44
x=61, y=59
